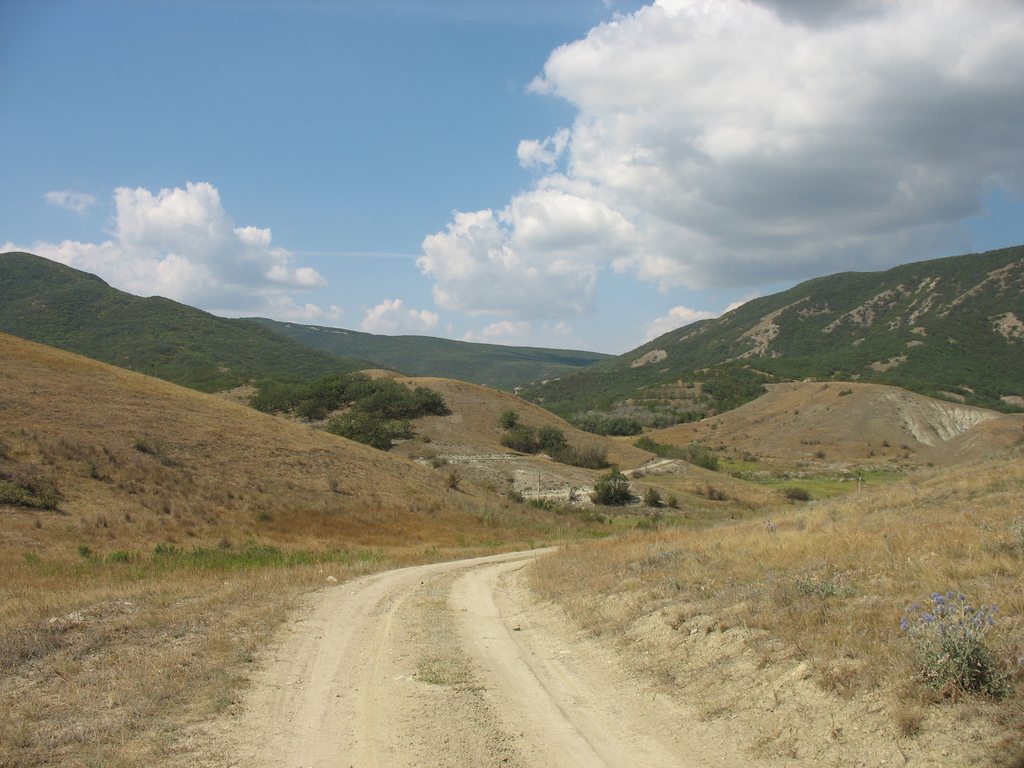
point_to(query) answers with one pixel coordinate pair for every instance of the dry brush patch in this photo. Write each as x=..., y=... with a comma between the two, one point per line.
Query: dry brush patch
x=800, y=614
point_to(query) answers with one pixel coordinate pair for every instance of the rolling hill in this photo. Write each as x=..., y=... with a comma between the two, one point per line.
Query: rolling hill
x=490, y=365
x=114, y=460
x=53, y=304
x=866, y=424
x=951, y=328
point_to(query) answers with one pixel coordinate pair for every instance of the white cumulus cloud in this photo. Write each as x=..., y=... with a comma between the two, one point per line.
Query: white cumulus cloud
x=677, y=317
x=525, y=333
x=740, y=142
x=181, y=244
x=392, y=317
x=79, y=202
x=538, y=257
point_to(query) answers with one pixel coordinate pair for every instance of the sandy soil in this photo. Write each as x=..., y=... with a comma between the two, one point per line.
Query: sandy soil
x=453, y=664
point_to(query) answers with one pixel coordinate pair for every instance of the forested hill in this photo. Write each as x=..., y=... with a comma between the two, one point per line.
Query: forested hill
x=950, y=328
x=62, y=307
x=489, y=365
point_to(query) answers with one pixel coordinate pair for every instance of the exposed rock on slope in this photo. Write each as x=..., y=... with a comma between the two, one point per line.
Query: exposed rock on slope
x=853, y=422
x=953, y=325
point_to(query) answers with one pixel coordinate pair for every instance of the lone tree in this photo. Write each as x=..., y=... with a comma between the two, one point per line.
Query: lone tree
x=508, y=419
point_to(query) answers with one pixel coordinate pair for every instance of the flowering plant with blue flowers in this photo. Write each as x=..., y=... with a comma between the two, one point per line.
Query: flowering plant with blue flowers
x=949, y=637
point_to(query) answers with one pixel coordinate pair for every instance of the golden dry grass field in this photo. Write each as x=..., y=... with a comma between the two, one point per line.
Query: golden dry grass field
x=159, y=537
x=790, y=625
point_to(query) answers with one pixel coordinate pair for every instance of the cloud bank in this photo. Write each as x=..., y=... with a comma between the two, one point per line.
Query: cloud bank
x=734, y=143
x=392, y=317
x=180, y=244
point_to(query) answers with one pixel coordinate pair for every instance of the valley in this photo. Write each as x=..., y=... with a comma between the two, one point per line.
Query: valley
x=742, y=606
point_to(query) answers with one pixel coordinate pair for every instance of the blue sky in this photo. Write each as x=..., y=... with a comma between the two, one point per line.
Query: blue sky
x=567, y=173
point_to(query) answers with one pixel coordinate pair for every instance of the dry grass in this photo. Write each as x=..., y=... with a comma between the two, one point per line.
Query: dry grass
x=108, y=665
x=185, y=528
x=820, y=591
x=871, y=424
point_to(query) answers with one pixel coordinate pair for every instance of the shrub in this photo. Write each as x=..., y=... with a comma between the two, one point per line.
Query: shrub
x=311, y=410
x=369, y=429
x=508, y=419
x=652, y=497
x=522, y=439
x=550, y=438
x=612, y=489
x=712, y=493
x=601, y=424
x=383, y=397
x=592, y=457
x=701, y=456
x=949, y=639
x=795, y=493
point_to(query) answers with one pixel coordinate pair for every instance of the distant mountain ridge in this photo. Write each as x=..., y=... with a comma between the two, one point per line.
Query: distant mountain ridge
x=53, y=304
x=950, y=328
x=489, y=365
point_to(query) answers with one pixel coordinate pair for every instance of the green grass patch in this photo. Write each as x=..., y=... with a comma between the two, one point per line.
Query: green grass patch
x=168, y=558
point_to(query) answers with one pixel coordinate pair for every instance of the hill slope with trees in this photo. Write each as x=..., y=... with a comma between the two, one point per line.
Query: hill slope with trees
x=951, y=328
x=489, y=365
x=53, y=304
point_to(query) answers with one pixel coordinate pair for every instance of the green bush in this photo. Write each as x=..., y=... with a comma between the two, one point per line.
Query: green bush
x=508, y=419
x=592, y=457
x=311, y=410
x=795, y=493
x=382, y=397
x=602, y=424
x=522, y=439
x=369, y=429
x=550, y=438
x=612, y=489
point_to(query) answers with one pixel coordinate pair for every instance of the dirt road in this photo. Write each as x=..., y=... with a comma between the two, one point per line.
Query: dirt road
x=453, y=664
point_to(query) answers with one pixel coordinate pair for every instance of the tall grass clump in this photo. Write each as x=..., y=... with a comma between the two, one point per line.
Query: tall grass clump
x=27, y=485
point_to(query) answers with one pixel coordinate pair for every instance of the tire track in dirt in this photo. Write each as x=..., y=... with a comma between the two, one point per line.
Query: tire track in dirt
x=448, y=665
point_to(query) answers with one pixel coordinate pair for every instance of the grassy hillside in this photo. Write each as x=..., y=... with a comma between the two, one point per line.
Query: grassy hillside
x=50, y=303
x=869, y=424
x=950, y=328
x=783, y=633
x=139, y=515
x=490, y=365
